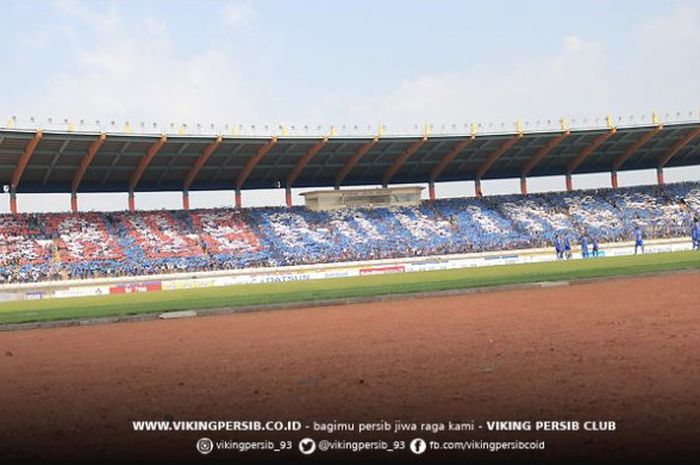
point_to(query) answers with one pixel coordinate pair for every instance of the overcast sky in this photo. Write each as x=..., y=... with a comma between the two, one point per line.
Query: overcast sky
x=345, y=63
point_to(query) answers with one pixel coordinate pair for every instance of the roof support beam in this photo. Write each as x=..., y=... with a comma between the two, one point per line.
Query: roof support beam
x=145, y=161
x=199, y=163
x=675, y=148
x=350, y=164
x=634, y=148
x=252, y=163
x=141, y=168
x=551, y=144
x=498, y=153
x=303, y=161
x=82, y=168
x=588, y=150
x=399, y=162
x=24, y=160
x=448, y=157
x=19, y=169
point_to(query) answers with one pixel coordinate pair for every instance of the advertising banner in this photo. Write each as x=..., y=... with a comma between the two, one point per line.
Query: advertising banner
x=133, y=288
x=382, y=270
x=81, y=291
x=8, y=297
x=35, y=295
x=285, y=277
x=341, y=273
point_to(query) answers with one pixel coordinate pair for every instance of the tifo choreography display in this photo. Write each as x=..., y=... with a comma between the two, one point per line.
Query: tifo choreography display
x=35, y=247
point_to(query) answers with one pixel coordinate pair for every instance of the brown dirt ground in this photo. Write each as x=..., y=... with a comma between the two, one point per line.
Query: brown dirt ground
x=623, y=349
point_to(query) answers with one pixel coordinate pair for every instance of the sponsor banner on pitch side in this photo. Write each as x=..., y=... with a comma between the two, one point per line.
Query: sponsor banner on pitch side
x=286, y=277
x=135, y=288
x=9, y=297
x=382, y=270
x=81, y=291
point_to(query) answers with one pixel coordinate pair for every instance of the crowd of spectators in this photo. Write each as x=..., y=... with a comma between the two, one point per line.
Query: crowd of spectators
x=37, y=247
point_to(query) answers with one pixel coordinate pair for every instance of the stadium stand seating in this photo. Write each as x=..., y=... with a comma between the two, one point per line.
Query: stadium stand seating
x=37, y=247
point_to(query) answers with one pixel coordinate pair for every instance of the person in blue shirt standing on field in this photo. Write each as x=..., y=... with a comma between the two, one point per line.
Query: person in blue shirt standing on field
x=695, y=234
x=596, y=252
x=584, y=246
x=567, y=247
x=638, y=239
x=558, y=247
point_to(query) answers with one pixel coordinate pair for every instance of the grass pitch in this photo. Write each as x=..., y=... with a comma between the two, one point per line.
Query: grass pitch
x=320, y=290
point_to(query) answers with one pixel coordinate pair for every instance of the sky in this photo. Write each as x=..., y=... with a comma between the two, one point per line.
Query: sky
x=316, y=64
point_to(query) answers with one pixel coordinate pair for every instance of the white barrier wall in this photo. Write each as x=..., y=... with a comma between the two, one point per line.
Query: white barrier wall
x=34, y=291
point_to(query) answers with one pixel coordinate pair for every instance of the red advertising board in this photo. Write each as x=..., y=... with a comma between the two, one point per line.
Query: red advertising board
x=383, y=269
x=133, y=288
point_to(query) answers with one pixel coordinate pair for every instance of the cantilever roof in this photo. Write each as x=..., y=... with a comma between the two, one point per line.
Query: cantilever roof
x=148, y=163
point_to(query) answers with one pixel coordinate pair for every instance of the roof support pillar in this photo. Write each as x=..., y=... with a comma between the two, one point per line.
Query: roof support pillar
x=13, y=202
x=569, y=183
x=288, y=196
x=523, y=185
x=74, y=202
x=660, y=176
x=477, y=188
x=431, y=191
x=132, y=202
x=239, y=201
x=613, y=179
x=185, y=200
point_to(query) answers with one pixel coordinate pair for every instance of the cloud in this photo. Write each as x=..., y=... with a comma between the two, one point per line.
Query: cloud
x=137, y=70
x=238, y=11
x=134, y=71
x=682, y=23
x=573, y=43
x=661, y=67
x=575, y=79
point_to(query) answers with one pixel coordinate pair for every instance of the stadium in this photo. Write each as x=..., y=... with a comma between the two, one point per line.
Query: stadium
x=366, y=245
x=396, y=304
x=351, y=231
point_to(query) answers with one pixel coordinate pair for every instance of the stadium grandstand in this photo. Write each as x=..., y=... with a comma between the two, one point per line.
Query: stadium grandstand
x=73, y=245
